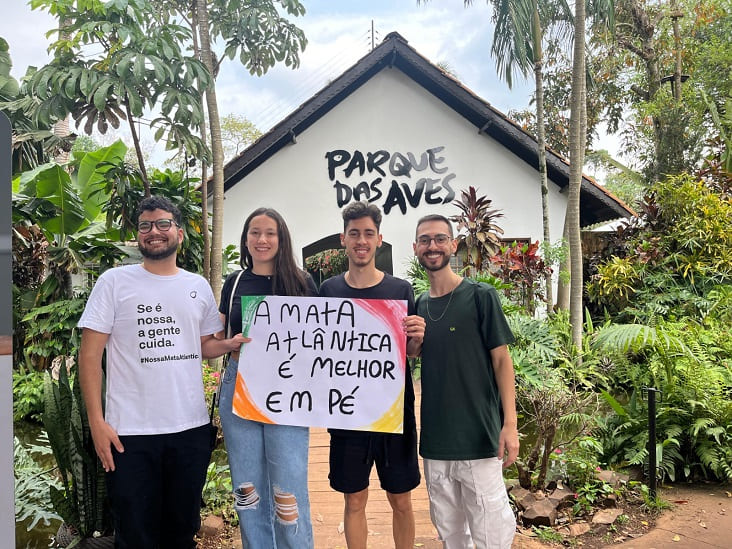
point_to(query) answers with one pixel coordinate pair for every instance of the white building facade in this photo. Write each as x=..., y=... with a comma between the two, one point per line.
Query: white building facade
x=397, y=131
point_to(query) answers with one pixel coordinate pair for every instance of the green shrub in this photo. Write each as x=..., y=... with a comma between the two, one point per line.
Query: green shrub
x=666, y=262
x=690, y=364
x=51, y=331
x=27, y=395
x=217, y=492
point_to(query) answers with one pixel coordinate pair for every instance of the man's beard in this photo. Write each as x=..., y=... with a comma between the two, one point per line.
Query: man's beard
x=159, y=254
x=445, y=261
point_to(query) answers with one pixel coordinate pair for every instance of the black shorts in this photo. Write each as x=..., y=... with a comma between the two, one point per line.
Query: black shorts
x=395, y=456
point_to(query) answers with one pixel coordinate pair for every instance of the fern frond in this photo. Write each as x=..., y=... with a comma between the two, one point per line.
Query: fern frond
x=699, y=424
x=635, y=337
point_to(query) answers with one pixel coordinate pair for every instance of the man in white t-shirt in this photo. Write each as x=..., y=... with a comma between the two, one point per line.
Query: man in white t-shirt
x=157, y=322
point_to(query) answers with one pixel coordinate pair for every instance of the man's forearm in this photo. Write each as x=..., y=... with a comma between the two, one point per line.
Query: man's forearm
x=90, y=380
x=506, y=381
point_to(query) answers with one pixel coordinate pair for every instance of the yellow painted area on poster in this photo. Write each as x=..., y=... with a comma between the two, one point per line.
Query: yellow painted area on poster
x=391, y=421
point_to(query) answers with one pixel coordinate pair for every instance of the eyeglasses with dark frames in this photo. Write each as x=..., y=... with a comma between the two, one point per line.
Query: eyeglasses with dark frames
x=440, y=239
x=160, y=224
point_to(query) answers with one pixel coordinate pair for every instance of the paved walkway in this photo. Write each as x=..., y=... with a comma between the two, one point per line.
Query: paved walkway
x=327, y=506
x=701, y=517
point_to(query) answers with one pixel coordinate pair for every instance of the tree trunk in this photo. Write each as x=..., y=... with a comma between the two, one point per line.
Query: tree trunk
x=577, y=143
x=564, y=267
x=644, y=29
x=61, y=130
x=675, y=14
x=204, y=167
x=205, y=227
x=138, y=150
x=544, y=467
x=541, y=144
x=525, y=470
x=61, y=127
x=216, y=148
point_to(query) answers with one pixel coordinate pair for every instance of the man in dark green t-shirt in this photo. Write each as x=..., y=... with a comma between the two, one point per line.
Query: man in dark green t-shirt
x=468, y=411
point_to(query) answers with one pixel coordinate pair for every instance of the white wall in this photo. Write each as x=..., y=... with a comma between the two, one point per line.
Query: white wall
x=390, y=112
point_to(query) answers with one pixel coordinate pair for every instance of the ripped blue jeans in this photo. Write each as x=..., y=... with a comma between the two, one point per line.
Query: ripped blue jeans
x=269, y=474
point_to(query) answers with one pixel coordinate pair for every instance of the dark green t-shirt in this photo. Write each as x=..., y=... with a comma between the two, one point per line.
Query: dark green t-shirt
x=461, y=407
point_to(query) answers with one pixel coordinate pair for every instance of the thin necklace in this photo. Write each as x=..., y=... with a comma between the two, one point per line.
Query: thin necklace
x=444, y=310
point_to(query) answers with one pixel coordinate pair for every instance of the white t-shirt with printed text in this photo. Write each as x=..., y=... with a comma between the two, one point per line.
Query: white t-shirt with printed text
x=154, y=379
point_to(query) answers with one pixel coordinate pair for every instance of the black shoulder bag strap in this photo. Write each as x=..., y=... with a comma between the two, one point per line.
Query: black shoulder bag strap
x=217, y=393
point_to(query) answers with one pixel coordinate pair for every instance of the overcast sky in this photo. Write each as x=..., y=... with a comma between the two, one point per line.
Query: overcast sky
x=338, y=34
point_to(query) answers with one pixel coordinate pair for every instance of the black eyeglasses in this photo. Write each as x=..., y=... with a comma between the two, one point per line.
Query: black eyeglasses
x=440, y=239
x=160, y=225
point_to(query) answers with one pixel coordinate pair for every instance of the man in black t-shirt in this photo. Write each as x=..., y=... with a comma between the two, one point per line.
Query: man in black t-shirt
x=353, y=453
x=468, y=411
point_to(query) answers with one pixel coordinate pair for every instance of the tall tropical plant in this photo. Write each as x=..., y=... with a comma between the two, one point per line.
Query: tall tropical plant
x=478, y=234
x=517, y=48
x=64, y=206
x=56, y=234
x=523, y=268
x=81, y=501
x=140, y=65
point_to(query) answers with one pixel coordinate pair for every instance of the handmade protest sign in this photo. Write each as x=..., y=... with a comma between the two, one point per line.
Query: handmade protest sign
x=323, y=362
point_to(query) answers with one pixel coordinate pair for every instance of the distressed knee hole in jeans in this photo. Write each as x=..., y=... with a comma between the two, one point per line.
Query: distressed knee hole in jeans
x=285, y=507
x=246, y=496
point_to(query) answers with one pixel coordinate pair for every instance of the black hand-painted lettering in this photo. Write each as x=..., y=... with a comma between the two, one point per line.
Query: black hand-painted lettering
x=394, y=198
x=335, y=159
x=375, y=160
x=416, y=196
x=435, y=160
x=357, y=163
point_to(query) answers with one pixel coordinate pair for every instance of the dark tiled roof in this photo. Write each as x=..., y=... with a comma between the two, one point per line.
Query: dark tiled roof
x=596, y=203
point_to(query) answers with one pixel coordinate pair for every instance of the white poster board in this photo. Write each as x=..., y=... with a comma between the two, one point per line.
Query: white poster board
x=323, y=362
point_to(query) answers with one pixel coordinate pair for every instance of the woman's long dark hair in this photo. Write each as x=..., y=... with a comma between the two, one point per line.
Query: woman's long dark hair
x=287, y=278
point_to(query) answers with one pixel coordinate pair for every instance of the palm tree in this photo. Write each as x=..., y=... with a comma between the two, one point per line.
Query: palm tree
x=577, y=141
x=517, y=48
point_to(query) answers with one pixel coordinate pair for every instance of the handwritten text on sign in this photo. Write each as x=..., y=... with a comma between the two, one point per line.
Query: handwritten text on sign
x=323, y=362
